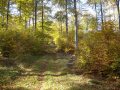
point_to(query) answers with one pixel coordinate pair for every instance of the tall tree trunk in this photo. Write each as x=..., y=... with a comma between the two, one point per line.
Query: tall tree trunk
x=96, y=16
x=8, y=10
x=66, y=9
x=2, y=24
x=33, y=22
x=118, y=9
x=76, y=25
x=35, y=14
x=87, y=24
x=20, y=13
x=101, y=10
x=42, y=15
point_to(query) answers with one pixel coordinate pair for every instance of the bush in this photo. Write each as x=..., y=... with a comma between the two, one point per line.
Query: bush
x=14, y=43
x=98, y=51
x=66, y=44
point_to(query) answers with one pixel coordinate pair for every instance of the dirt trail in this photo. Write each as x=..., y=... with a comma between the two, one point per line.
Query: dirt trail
x=51, y=73
x=41, y=74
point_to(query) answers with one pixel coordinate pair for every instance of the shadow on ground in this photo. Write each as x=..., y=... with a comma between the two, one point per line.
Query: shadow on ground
x=17, y=88
x=47, y=73
x=29, y=67
x=86, y=87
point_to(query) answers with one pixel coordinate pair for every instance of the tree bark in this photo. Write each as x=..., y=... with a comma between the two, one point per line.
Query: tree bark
x=2, y=24
x=101, y=6
x=20, y=19
x=42, y=15
x=66, y=9
x=8, y=10
x=35, y=14
x=76, y=25
x=118, y=9
x=96, y=16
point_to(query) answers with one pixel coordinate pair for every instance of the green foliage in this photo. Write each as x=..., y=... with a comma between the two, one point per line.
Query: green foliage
x=13, y=43
x=98, y=51
x=7, y=76
x=63, y=44
x=116, y=67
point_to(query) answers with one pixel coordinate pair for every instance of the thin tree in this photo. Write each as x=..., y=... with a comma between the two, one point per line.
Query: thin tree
x=8, y=10
x=35, y=2
x=95, y=3
x=20, y=14
x=66, y=10
x=76, y=24
x=42, y=15
x=101, y=10
x=60, y=17
x=64, y=4
x=118, y=9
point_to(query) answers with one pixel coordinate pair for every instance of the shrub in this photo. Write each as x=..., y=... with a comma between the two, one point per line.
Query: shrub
x=14, y=43
x=66, y=44
x=99, y=51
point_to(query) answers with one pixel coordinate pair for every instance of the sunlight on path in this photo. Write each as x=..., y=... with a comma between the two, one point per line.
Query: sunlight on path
x=50, y=73
x=67, y=82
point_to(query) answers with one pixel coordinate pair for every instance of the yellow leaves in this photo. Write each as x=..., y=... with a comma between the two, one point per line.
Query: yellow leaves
x=108, y=26
x=20, y=42
x=98, y=49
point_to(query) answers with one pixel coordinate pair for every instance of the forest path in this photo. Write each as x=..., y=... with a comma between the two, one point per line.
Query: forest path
x=50, y=72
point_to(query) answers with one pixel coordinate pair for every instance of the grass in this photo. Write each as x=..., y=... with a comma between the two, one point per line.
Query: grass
x=65, y=82
x=48, y=72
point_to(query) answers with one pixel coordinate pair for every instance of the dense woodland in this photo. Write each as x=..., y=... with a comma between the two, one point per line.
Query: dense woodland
x=59, y=40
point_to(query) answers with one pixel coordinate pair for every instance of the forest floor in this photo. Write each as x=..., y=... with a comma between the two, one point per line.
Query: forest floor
x=49, y=72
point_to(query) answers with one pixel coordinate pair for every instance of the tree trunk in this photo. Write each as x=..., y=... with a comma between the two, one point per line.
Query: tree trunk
x=96, y=16
x=42, y=15
x=66, y=10
x=66, y=17
x=2, y=24
x=35, y=14
x=118, y=9
x=20, y=13
x=87, y=24
x=33, y=23
x=8, y=10
x=101, y=10
x=76, y=25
